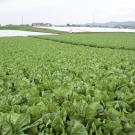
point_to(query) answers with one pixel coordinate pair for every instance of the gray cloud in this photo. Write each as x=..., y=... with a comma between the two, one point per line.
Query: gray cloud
x=66, y=11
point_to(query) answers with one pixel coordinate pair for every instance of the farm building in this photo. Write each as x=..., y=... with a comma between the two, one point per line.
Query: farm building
x=42, y=24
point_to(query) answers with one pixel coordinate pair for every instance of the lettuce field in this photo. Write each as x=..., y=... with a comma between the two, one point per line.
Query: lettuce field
x=59, y=88
x=100, y=40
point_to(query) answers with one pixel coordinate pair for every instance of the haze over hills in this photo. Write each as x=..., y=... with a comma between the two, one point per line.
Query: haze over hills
x=128, y=24
x=112, y=24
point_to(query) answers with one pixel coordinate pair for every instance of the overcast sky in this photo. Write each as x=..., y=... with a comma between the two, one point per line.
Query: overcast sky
x=66, y=11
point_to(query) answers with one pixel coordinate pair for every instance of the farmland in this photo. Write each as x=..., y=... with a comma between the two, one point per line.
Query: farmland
x=30, y=28
x=76, y=29
x=68, y=87
x=100, y=40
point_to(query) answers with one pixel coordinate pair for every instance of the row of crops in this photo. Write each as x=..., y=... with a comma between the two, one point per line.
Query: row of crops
x=51, y=88
x=100, y=40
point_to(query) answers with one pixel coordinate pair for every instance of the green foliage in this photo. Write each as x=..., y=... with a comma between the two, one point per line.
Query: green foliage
x=76, y=128
x=47, y=88
x=124, y=41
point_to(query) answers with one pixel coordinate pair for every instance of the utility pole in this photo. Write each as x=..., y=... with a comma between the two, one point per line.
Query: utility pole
x=93, y=18
x=22, y=20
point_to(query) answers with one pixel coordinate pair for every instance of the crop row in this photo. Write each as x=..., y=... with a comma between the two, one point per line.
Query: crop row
x=50, y=89
x=100, y=40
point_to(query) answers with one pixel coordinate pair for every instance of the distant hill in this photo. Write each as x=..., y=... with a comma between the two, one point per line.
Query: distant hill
x=129, y=24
